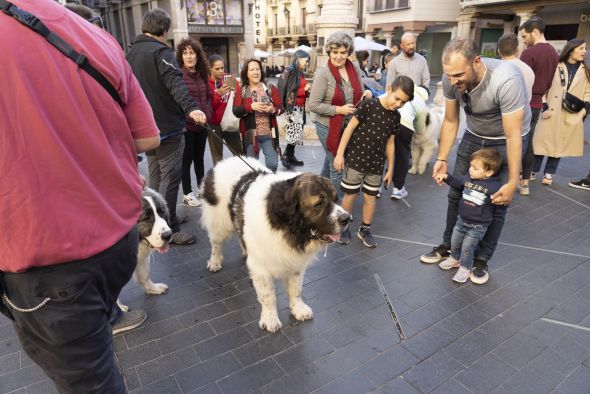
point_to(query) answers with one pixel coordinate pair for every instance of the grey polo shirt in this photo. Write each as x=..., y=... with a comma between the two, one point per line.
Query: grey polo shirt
x=415, y=68
x=502, y=91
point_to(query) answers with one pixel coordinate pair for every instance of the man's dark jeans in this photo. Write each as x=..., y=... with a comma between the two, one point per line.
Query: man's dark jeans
x=165, y=166
x=70, y=337
x=469, y=144
x=528, y=158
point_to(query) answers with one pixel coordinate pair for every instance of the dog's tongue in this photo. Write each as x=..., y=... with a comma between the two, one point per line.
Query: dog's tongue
x=163, y=249
x=334, y=237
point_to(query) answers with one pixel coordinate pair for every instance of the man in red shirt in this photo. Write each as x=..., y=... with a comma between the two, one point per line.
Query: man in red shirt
x=71, y=193
x=543, y=59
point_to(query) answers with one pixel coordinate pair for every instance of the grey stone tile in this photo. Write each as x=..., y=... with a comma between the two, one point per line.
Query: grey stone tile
x=169, y=309
x=381, y=339
x=451, y=387
x=258, y=350
x=484, y=375
x=432, y=372
x=238, y=318
x=167, y=365
x=214, y=295
x=21, y=378
x=302, y=380
x=199, y=315
x=9, y=363
x=186, y=337
x=429, y=341
x=577, y=382
x=472, y=347
x=346, y=333
x=250, y=378
x=150, y=332
x=388, y=365
x=43, y=387
x=396, y=386
x=207, y=372
x=131, y=379
x=9, y=346
x=211, y=388
x=465, y=320
x=351, y=383
x=520, y=349
x=241, y=300
x=119, y=343
x=345, y=359
x=300, y=331
x=222, y=343
x=7, y=332
x=167, y=385
x=303, y=353
x=570, y=348
x=526, y=381
x=138, y=355
x=25, y=360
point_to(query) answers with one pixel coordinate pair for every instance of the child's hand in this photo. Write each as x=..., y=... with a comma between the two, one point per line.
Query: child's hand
x=440, y=178
x=387, y=180
x=339, y=162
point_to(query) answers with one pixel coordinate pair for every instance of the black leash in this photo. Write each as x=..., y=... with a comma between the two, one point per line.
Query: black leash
x=212, y=131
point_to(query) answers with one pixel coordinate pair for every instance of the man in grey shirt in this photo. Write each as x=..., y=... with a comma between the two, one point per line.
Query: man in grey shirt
x=409, y=63
x=493, y=95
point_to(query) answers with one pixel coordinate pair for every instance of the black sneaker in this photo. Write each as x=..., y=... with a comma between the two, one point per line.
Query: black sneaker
x=438, y=254
x=344, y=237
x=479, y=273
x=364, y=234
x=583, y=184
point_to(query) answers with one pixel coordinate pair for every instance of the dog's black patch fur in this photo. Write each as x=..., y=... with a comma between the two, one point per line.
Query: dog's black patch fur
x=209, y=188
x=145, y=223
x=236, y=202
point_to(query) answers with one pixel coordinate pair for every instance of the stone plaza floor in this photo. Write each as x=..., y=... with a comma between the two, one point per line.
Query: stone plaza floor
x=525, y=331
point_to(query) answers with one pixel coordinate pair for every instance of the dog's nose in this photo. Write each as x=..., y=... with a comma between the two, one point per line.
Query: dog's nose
x=166, y=235
x=344, y=218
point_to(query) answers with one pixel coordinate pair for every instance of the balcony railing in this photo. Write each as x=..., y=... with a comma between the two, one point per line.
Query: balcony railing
x=273, y=3
x=387, y=5
x=310, y=28
x=466, y=3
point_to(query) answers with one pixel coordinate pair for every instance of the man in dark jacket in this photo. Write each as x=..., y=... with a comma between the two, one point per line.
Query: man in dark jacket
x=154, y=64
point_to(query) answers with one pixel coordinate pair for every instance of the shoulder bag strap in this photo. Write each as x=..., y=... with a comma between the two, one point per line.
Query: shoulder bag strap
x=33, y=23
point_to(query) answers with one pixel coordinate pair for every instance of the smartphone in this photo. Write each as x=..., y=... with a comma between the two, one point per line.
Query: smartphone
x=265, y=100
x=230, y=81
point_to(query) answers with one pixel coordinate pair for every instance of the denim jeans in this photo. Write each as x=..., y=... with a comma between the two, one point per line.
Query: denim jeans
x=469, y=144
x=271, y=157
x=528, y=158
x=466, y=237
x=550, y=165
x=328, y=170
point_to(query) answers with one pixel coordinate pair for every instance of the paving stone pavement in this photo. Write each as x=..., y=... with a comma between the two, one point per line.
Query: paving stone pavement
x=203, y=336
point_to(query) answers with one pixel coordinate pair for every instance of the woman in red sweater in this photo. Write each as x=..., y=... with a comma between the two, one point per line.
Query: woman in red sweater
x=221, y=92
x=195, y=70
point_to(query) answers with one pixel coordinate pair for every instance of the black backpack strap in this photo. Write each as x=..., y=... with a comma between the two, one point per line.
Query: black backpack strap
x=33, y=23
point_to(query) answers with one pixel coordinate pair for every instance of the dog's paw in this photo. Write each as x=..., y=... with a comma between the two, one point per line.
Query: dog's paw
x=412, y=170
x=270, y=322
x=214, y=265
x=124, y=308
x=156, y=288
x=421, y=170
x=302, y=311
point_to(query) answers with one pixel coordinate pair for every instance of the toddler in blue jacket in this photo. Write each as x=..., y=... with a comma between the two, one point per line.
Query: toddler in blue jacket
x=475, y=210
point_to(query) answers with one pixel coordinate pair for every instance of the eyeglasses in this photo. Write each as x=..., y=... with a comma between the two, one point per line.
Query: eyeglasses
x=467, y=101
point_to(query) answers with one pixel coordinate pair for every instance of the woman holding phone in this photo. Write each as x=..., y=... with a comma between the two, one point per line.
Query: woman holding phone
x=221, y=85
x=336, y=90
x=294, y=90
x=257, y=106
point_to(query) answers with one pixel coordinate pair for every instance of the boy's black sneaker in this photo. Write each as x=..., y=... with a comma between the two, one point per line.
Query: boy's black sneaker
x=438, y=254
x=364, y=234
x=583, y=184
x=479, y=273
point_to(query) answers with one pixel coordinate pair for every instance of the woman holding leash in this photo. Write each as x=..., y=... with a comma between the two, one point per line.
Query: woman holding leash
x=294, y=90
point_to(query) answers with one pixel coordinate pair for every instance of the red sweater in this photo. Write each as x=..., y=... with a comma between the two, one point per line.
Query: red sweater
x=543, y=59
x=200, y=92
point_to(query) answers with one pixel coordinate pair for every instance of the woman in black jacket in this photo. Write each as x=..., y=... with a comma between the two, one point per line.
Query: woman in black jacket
x=294, y=89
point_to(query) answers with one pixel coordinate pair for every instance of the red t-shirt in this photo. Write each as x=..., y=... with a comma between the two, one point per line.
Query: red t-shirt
x=543, y=59
x=301, y=93
x=69, y=186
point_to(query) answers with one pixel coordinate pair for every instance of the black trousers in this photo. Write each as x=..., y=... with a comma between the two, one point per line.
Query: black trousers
x=528, y=159
x=401, y=161
x=194, y=152
x=70, y=337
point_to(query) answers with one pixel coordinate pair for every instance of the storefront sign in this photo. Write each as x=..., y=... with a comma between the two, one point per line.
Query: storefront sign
x=258, y=17
x=194, y=28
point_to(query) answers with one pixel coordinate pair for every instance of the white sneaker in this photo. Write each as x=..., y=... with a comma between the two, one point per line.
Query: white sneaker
x=462, y=275
x=191, y=200
x=449, y=263
x=398, y=194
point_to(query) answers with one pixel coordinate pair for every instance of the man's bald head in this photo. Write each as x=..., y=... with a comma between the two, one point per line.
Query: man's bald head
x=408, y=44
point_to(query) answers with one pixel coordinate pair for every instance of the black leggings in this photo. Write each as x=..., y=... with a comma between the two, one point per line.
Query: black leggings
x=194, y=151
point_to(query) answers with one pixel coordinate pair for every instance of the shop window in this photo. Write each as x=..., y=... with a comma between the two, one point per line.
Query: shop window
x=215, y=12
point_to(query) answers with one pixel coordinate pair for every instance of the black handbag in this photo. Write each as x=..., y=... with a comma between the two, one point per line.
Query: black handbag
x=570, y=102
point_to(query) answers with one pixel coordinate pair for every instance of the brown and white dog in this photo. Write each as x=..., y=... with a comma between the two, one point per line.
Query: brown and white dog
x=282, y=220
x=154, y=233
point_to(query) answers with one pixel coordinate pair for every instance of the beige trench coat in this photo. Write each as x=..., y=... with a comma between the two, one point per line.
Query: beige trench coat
x=562, y=135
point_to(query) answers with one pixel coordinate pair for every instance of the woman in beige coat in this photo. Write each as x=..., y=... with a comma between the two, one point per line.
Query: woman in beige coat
x=560, y=133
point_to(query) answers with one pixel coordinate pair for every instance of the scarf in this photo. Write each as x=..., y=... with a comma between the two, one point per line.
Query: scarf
x=335, y=127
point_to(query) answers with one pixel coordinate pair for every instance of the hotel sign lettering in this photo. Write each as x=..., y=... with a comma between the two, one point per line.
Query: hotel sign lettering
x=192, y=28
x=259, y=19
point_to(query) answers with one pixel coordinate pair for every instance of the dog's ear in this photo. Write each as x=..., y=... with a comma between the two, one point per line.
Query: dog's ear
x=285, y=201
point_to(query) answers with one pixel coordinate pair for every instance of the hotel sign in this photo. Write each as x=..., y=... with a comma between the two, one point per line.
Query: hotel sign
x=259, y=19
x=204, y=29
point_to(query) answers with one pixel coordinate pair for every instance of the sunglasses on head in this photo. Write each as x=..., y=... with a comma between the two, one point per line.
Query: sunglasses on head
x=467, y=101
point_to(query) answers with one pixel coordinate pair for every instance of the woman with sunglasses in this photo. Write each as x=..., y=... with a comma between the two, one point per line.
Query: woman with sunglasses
x=294, y=89
x=560, y=133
